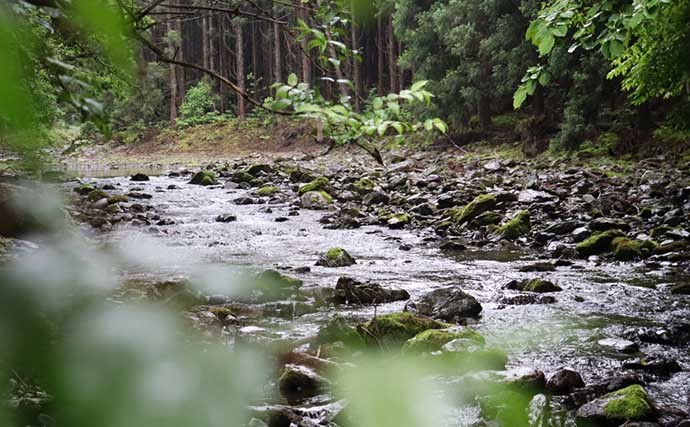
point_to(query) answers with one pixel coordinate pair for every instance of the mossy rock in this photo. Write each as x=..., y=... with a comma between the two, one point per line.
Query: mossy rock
x=480, y=204
x=97, y=195
x=487, y=218
x=678, y=245
x=255, y=170
x=84, y=189
x=267, y=190
x=630, y=403
x=433, y=339
x=397, y=221
x=516, y=227
x=316, y=200
x=625, y=249
x=659, y=231
x=118, y=198
x=336, y=257
x=541, y=286
x=363, y=185
x=396, y=328
x=318, y=184
x=338, y=330
x=598, y=243
x=272, y=285
x=242, y=176
x=204, y=177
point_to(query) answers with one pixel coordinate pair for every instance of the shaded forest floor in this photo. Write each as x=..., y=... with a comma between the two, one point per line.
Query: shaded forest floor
x=232, y=140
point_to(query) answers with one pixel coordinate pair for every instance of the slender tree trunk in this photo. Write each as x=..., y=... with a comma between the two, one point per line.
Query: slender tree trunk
x=239, y=52
x=173, y=78
x=277, y=54
x=380, y=63
x=181, y=87
x=392, y=57
x=205, y=40
x=356, y=67
x=306, y=60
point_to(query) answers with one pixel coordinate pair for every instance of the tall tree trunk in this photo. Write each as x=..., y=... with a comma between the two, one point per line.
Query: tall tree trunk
x=181, y=86
x=205, y=40
x=380, y=64
x=306, y=60
x=485, y=84
x=173, y=77
x=392, y=57
x=239, y=52
x=356, y=67
x=277, y=53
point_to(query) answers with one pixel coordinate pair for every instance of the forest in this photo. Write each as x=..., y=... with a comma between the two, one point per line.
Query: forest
x=345, y=213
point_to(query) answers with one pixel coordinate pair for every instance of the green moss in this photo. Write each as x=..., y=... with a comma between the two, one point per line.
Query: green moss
x=541, y=286
x=398, y=220
x=316, y=185
x=363, y=185
x=204, y=177
x=433, y=339
x=630, y=403
x=267, y=190
x=120, y=198
x=487, y=218
x=516, y=227
x=326, y=196
x=242, y=177
x=97, y=195
x=660, y=231
x=396, y=328
x=335, y=253
x=84, y=189
x=480, y=204
x=273, y=278
x=336, y=257
x=678, y=245
x=598, y=243
x=625, y=249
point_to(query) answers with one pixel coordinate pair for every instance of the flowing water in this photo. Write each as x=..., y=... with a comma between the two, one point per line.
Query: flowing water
x=599, y=301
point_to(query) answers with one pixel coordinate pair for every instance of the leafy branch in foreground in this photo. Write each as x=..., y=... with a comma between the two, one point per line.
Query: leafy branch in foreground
x=381, y=116
x=645, y=42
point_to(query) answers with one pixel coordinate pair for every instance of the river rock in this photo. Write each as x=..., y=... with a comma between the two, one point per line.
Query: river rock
x=139, y=177
x=434, y=339
x=272, y=285
x=536, y=285
x=449, y=304
x=204, y=177
x=298, y=383
x=336, y=257
x=226, y=218
x=630, y=403
x=316, y=200
x=392, y=330
x=564, y=381
x=620, y=345
x=351, y=291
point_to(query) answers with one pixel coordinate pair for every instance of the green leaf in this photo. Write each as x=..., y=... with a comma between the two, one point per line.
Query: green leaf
x=440, y=125
x=616, y=48
x=519, y=96
x=546, y=43
x=418, y=85
x=292, y=79
x=560, y=30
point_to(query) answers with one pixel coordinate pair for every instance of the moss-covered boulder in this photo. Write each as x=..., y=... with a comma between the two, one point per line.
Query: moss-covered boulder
x=96, y=195
x=625, y=249
x=338, y=330
x=316, y=200
x=433, y=339
x=487, y=218
x=540, y=286
x=598, y=243
x=675, y=246
x=256, y=169
x=516, y=227
x=317, y=184
x=628, y=404
x=298, y=383
x=204, y=177
x=480, y=204
x=396, y=328
x=241, y=176
x=336, y=257
x=267, y=190
x=83, y=190
x=118, y=198
x=398, y=221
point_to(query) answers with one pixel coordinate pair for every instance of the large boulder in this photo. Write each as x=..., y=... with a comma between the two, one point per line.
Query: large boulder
x=434, y=339
x=317, y=184
x=204, y=177
x=449, y=304
x=395, y=328
x=598, y=243
x=350, y=291
x=564, y=381
x=298, y=383
x=628, y=404
x=272, y=285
